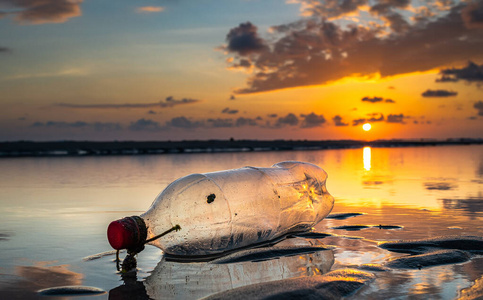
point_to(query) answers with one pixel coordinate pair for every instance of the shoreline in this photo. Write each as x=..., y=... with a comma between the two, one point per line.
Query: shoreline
x=91, y=148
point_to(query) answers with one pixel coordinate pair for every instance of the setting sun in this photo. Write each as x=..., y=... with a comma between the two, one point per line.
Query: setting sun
x=366, y=127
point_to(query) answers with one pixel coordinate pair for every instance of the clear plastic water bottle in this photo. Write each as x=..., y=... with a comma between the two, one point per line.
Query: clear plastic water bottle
x=226, y=210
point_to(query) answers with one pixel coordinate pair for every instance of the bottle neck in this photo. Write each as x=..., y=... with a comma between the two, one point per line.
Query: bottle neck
x=140, y=233
x=128, y=233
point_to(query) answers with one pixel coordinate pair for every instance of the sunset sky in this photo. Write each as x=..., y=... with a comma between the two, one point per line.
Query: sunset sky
x=242, y=69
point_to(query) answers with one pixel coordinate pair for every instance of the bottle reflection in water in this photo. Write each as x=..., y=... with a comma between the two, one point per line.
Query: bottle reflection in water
x=174, y=280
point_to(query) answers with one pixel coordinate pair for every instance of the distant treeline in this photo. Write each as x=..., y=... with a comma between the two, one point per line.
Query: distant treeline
x=86, y=148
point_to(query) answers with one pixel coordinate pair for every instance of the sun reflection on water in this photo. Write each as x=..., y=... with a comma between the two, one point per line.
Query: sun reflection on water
x=366, y=154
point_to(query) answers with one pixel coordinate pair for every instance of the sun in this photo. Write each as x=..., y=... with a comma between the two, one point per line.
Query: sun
x=366, y=127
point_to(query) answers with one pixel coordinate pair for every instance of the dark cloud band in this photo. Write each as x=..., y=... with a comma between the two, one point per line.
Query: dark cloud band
x=471, y=73
x=439, y=93
x=315, y=51
x=168, y=102
x=44, y=11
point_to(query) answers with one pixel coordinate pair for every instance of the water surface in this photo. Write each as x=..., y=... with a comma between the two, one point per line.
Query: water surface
x=54, y=212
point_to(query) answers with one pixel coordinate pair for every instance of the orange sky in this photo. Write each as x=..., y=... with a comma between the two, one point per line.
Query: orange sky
x=300, y=69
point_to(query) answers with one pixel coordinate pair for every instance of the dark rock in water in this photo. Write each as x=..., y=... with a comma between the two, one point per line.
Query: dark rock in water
x=467, y=243
x=343, y=216
x=71, y=291
x=359, y=227
x=266, y=253
x=372, y=267
x=333, y=285
x=431, y=259
x=4, y=236
x=388, y=226
x=313, y=235
x=352, y=227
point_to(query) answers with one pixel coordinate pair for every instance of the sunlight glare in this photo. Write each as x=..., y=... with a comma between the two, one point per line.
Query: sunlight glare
x=366, y=157
x=366, y=127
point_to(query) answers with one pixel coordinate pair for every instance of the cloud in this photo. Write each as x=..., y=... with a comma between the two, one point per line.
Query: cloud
x=107, y=105
x=144, y=125
x=168, y=102
x=329, y=8
x=98, y=126
x=150, y=9
x=183, y=122
x=60, y=124
x=471, y=73
x=221, y=123
x=359, y=121
x=473, y=15
x=176, y=122
x=373, y=117
x=479, y=107
x=244, y=40
x=372, y=100
x=5, y=50
x=229, y=123
x=59, y=73
x=227, y=110
x=305, y=121
x=240, y=122
x=438, y=93
x=397, y=22
x=44, y=11
x=378, y=117
x=396, y=118
x=377, y=99
x=315, y=51
x=386, y=6
x=338, y=121
x=243, y=64
x=312, y=120
x=289, y=120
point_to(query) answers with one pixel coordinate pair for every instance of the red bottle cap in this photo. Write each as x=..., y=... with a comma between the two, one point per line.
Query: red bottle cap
x=127, y=233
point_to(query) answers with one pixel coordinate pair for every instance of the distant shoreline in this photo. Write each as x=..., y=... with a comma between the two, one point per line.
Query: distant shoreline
x=90, y=148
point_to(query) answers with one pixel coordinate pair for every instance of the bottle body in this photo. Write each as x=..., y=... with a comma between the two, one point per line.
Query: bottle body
x=226, y=210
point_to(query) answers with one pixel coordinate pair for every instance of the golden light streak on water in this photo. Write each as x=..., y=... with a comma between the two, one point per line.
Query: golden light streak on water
x=366, y=156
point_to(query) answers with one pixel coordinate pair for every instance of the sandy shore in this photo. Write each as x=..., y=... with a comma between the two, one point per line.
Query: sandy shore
x=86, y=148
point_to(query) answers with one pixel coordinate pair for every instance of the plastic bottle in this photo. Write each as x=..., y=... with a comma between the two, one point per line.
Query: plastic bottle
x=226, y=210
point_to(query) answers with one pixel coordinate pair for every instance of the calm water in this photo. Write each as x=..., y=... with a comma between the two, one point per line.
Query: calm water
x=54, y=213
